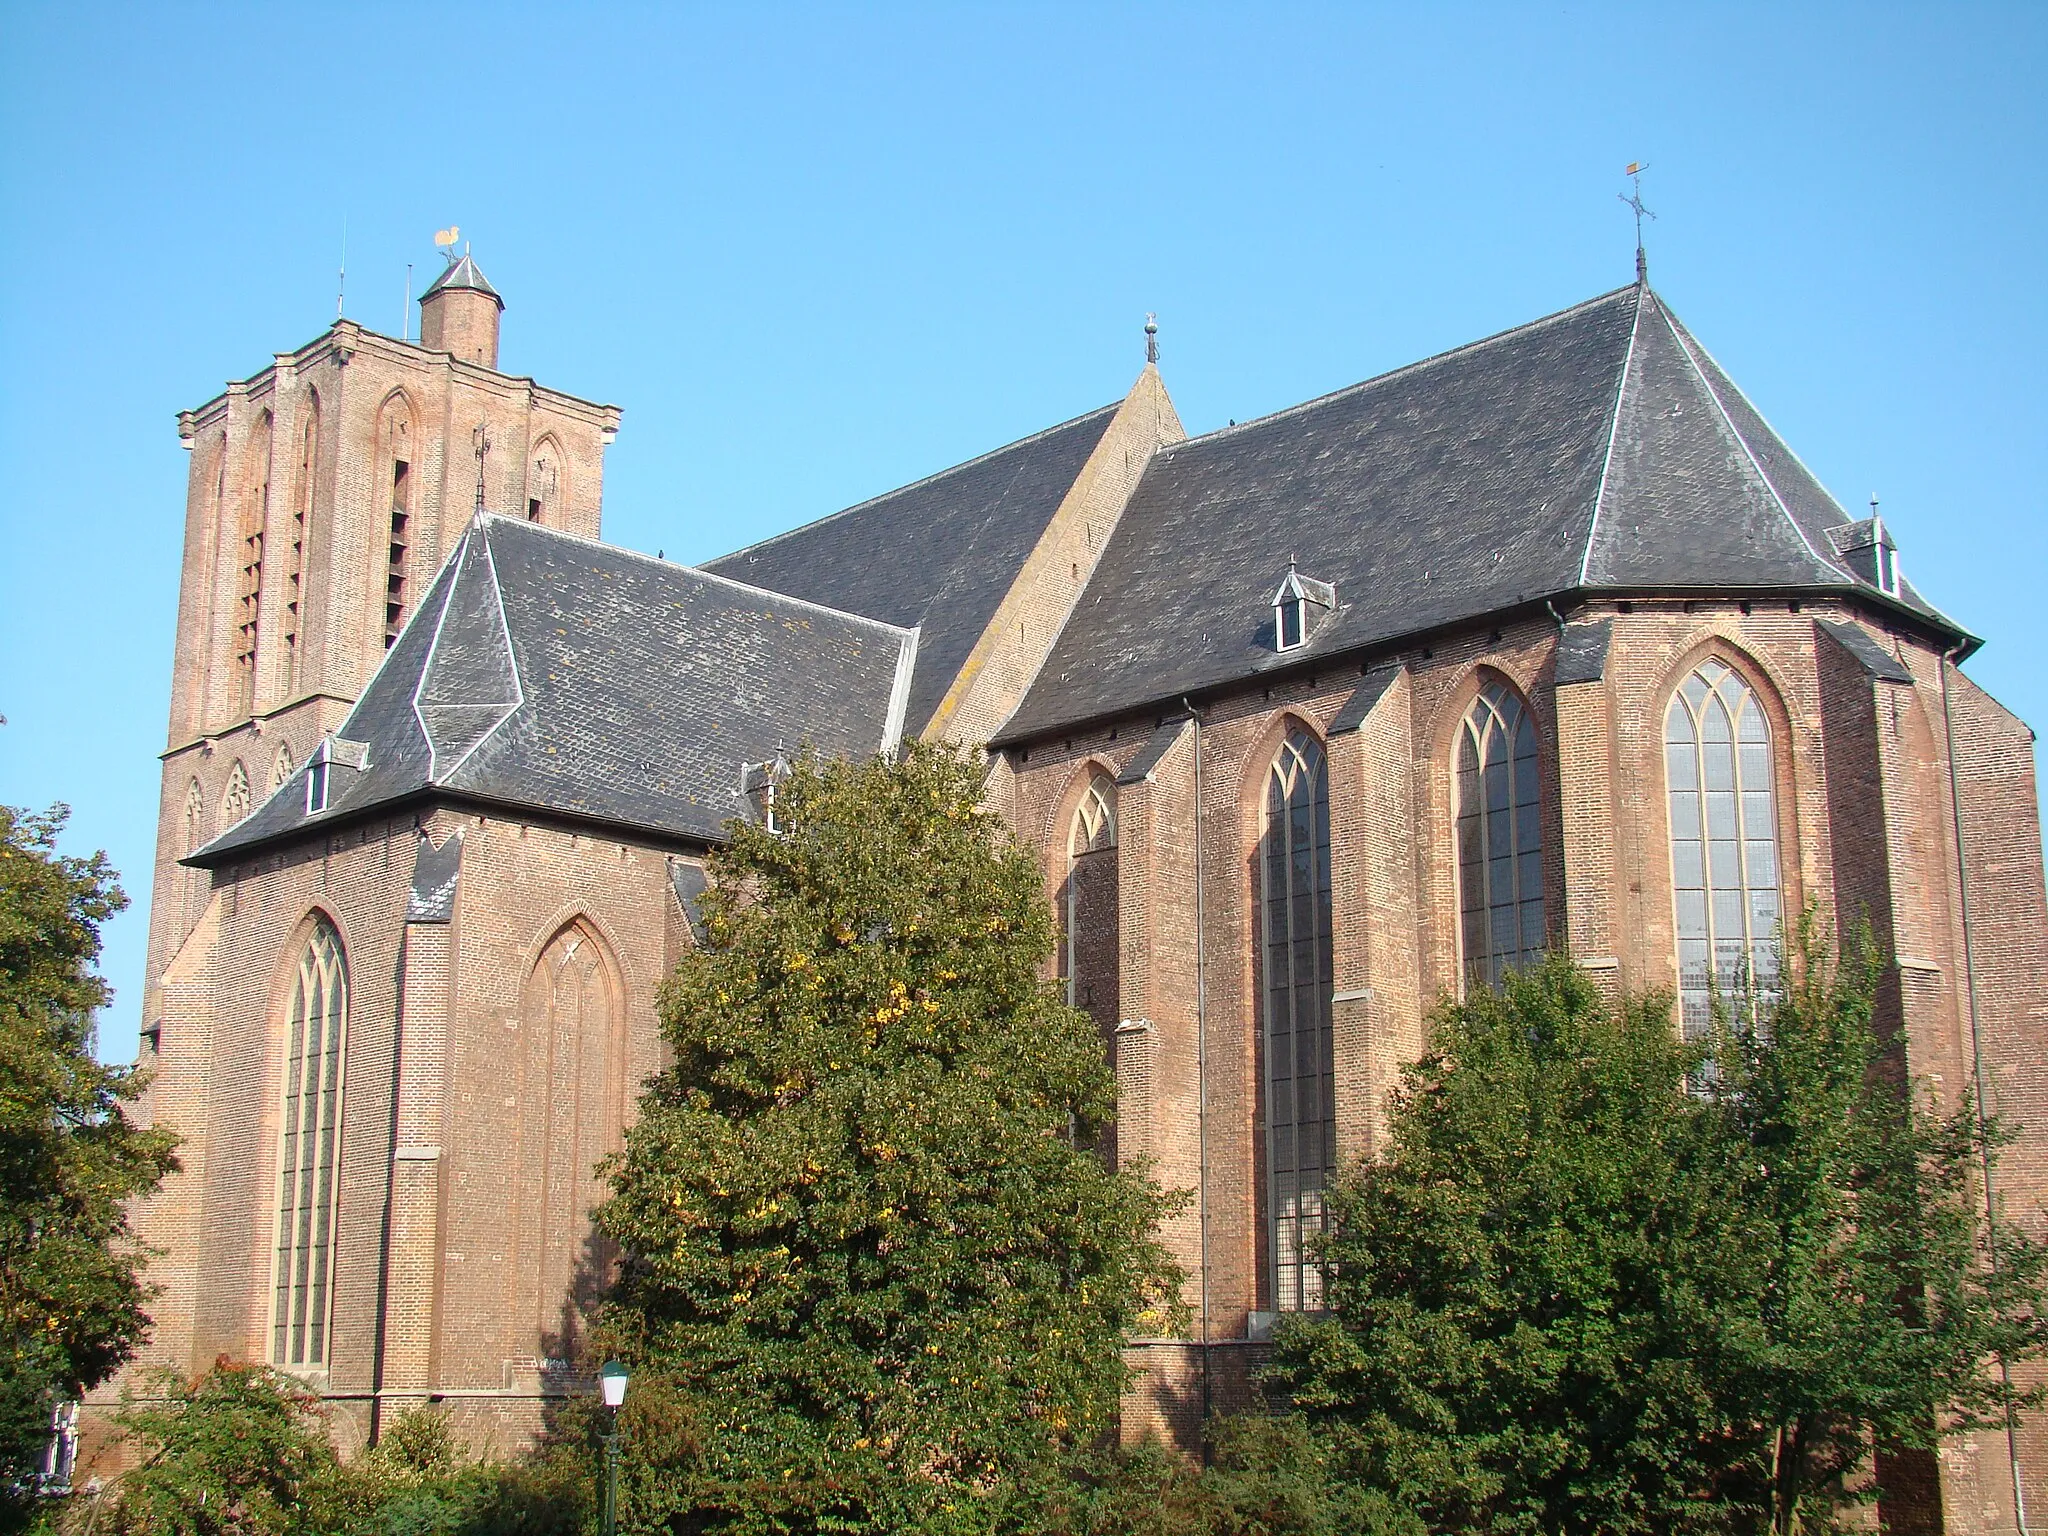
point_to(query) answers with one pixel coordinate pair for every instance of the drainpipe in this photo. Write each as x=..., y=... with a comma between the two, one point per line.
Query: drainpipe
x=2012, y=1440
x=1201, y=1080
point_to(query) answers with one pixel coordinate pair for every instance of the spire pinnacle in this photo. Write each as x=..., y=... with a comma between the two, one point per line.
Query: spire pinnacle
x=1151, y=338
x=1634, y=199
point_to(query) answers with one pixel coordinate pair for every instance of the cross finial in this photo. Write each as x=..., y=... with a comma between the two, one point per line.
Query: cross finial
x=481, y=438
x=1151, y=338
x=1634, y=199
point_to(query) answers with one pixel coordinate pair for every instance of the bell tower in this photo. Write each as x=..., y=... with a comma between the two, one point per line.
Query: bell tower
x=322, y=495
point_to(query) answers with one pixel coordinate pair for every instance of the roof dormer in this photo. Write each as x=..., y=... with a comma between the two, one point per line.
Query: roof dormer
x=1869, y=551
x=1299, y=608
x=329, y=771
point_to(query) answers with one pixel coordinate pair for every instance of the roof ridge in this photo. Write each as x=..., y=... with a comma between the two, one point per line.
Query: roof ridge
x=1628, y=358
x=1749, y=453
x=434, y=775
x=911, y=485
x=1395, y=373
x=521, y=524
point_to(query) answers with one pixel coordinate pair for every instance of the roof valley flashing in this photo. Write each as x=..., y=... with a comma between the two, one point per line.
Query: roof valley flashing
x=1597, y=450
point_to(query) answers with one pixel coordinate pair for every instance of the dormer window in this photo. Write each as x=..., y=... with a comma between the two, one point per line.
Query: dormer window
x=1299, y=608
x=332, y=756
x=758, y=785
x=1868, y=550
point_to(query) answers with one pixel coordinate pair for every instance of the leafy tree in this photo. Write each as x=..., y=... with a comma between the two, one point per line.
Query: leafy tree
x=1530, y=1296
x=71, y=1288
x=234, y=1453
x=1880, y=1292
x=1609, y=1282
x=876, y=1272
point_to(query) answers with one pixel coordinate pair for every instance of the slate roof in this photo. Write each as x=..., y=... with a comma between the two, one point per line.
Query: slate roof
x=1597, y=448
x=463, y=273
x=563, y=675
x=938, y=555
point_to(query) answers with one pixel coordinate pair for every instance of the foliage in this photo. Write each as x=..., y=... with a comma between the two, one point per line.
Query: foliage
x=231, y=1454
x=244, y=1450
x=71, y=1290
x=877, y=1273
x=1608, y=1282
x=1878, y=1291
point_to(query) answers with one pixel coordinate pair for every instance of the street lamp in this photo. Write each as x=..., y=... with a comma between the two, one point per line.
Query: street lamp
x=611, y=1382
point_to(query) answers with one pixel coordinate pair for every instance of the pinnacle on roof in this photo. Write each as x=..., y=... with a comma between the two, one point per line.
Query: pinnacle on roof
x=463, y=272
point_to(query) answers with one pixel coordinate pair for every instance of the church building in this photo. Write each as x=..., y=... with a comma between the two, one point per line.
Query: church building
x=1548, y=643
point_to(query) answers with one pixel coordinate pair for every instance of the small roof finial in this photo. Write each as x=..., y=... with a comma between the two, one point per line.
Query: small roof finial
x=1151, y=337
x=1634, y=199
x=481, y=438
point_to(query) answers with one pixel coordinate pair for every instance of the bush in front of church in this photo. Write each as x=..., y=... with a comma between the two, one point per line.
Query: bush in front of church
x=876, y=1273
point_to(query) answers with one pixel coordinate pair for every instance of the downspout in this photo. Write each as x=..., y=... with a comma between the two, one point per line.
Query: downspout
x=2012, y=1440
x=1202, y=1081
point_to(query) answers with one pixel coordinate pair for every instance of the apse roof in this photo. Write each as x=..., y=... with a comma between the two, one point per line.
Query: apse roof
x=557, y=674
x=1599, y=448
x=939, y=554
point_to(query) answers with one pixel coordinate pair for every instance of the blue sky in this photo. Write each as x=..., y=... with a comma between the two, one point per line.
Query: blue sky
x=817, y=252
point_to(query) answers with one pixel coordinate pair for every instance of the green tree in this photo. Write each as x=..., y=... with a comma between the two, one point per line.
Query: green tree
x=1606, y=1281
x=234, y=1453
x=71, y=1286
x=1880, y=1292
x=876, y=1272
x=1530, y=1298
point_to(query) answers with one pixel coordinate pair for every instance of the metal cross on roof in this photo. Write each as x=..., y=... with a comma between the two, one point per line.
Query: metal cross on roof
x=1634, y=199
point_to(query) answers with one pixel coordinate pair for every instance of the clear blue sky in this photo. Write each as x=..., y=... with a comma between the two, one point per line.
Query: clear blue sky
x=817, y=252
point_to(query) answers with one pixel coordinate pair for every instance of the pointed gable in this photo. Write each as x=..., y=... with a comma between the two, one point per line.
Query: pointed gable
x=939, y=555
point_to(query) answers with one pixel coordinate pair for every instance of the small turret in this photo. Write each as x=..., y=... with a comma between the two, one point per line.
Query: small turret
x=459, y=313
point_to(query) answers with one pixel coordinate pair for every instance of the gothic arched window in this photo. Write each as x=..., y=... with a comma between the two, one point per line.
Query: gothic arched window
x=1724, y=841
x=569, y=1061
x=1500, y=837
x=1088, y=905
x=195, y=815
x=547, y=484
x=280, y=766
x=234, y=801
x=309, y=1165
x=1296, y=975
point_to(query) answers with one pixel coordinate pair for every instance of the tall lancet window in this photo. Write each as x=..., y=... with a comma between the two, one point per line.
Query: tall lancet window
x=1088, y=905
x=1724, y=842
x=1500, y=837
x=1294, y=1016
x=308, y=1183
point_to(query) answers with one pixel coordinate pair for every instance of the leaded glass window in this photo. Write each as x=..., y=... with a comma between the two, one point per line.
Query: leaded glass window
x=308, y=1182
x=1500, y=837
x=1088, y=913
x=1294, y=1017
x=1724, y=843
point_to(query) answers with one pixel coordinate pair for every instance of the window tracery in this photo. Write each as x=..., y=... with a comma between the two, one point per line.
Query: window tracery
x=1500, y=837
x=308, y=1182
x=234, y=800
x=1720, y=770
x=1296, y=976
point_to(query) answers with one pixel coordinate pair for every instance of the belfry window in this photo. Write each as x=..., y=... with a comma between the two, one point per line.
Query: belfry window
x=1724, y=844
x=309, y=1159
x=1500, y=838
x=1296, y=975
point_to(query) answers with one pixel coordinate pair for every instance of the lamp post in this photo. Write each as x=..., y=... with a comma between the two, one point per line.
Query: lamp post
x=611, y=1381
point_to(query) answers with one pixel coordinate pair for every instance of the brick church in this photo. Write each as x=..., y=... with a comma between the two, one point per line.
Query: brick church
x=1545, y=643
